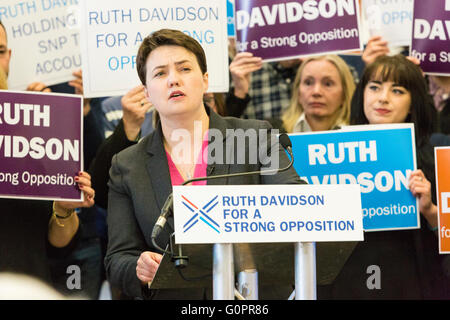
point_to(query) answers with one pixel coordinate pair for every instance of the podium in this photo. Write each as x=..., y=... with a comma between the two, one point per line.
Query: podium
x=292, y=258
x=266, y=258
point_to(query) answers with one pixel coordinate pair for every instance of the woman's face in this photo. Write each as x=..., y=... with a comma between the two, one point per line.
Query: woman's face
x=386, y=102
x=320, y=91
x=5, y=53
x=175, y=83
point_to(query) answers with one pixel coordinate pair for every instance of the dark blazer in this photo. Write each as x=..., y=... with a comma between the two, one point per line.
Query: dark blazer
x=140, y=183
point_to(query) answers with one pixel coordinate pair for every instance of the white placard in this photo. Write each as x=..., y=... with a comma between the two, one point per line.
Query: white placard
x=390, y=19
x=267, y=213
x=44, y=38
x=112, y=31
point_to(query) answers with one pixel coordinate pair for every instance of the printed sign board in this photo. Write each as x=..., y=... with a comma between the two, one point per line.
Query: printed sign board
x=430, y=36
x=390, y=19
x=379, y=158
x=442, y=161
x=279, y=29
x=267, y=213
x=113, y=30
x=44, y=38
x=41, y=144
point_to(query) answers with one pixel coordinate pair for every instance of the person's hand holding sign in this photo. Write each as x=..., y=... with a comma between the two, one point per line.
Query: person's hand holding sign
x=83, y=180
x=376, y=47
x=421, y=188
x=243, y=64
x=77, y=83
x=64, y=222
x=135, y=105
x=38, y=87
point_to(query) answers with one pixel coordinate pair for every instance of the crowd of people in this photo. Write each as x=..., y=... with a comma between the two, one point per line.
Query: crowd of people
x=132, y=160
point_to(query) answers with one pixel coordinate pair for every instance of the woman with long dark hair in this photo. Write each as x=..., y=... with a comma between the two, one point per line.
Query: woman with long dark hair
x=402, y=264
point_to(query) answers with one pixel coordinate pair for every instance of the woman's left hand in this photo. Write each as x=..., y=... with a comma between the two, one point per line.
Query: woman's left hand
x=83, y=180
x=421, y=189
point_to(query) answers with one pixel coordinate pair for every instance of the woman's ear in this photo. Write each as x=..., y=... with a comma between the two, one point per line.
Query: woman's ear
x=147, y=96
x=205, y=82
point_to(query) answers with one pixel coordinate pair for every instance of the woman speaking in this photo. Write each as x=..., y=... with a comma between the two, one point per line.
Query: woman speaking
x=189, y=141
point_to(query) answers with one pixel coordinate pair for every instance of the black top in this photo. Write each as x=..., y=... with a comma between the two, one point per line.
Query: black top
x=24, y=246
x=444, y=118
x=402, y=264
x=99, y=168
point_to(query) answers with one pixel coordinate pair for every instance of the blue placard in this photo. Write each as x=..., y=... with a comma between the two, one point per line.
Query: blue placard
x=230, y=18
x=379, y=158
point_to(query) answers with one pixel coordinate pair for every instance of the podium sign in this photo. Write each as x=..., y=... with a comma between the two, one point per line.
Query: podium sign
x=267, y=213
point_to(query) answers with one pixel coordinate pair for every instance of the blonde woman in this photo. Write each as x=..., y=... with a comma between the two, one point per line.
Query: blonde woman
x=323, y=89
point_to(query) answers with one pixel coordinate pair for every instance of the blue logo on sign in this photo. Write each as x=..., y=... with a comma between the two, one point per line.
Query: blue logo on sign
x=200, y=214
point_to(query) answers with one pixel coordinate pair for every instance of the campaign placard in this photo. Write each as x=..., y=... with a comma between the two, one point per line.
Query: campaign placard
x=44, y=38
x=442, y=167
x=278, y=29
x=379, y=158
x=113, y=30
x=267, y=213
x=41, y=144
x=230, y=18
x=430, y=36
x=390, y=19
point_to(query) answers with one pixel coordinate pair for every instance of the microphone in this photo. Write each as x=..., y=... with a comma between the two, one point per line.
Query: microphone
x=167, y=209
x=285, y=142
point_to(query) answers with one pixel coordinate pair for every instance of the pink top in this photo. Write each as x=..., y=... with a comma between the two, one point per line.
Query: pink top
x=199, y=171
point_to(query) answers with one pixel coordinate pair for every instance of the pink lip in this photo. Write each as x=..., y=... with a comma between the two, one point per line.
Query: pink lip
x=176, y=95
x=382, y=111
x=316, y=104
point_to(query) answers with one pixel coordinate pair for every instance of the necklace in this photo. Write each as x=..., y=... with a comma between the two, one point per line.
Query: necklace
x=188, y=176
x=186, y=171
x=189, y=173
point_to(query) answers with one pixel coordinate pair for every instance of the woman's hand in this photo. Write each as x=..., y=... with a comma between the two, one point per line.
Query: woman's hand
x=64, y=222
x=243, y=64
x=77, y=84
x=376, y=47
x=135, y=106
x=84, y=183
x=147, y=265
x=38, y=87
x=421, y=189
